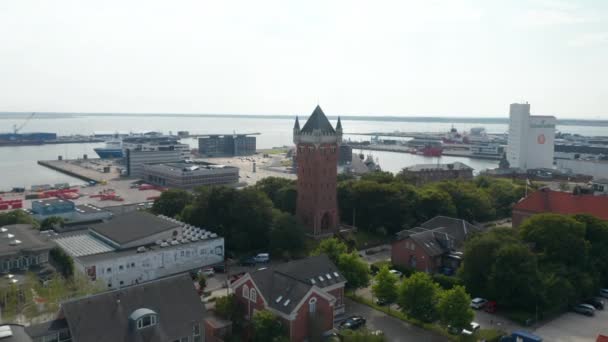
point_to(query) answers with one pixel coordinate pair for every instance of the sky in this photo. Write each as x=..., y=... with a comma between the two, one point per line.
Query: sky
x=401, y=57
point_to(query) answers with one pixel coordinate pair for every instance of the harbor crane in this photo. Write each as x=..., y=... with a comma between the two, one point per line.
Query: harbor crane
x=16, y=128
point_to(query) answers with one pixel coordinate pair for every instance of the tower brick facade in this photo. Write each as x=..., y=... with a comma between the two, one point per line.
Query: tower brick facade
x=317, y=150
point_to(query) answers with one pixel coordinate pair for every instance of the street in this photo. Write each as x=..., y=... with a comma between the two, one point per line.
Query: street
x=573, y=327
x=395, y=330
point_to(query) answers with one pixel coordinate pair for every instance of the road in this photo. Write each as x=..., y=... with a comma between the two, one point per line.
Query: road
x=395, y=330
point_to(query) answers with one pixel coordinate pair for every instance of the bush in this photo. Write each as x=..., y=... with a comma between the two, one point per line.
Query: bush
x=446, y=282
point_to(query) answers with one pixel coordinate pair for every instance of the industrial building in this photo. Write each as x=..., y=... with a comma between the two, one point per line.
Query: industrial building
x=531, y=138
x=189, y=175
x=222, y=145
x=135, y=159
x=22, y=247
x=591, y=167
x=138, y=246
x=68, y=210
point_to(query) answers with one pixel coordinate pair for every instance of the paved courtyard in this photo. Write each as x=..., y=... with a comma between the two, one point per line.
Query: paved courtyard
x=573, y=327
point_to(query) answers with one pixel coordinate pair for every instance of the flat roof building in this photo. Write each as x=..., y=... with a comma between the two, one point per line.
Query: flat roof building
x=137, y=246
x=190, y=175
x=220, y=145
x=68, y=210
x=22, y=247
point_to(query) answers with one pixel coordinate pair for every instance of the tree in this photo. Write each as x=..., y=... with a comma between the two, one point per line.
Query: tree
x=15, y=217
x=472, y=203
x=202, y=282
x=361, y=335
x=354, y=270
x=596, y=232
x=230, y=309
x=382, y=177
x=287, y=236
x=332, y=247
x=171, y=202
x=454, y=308
x=282, y=192
x=51, y=222
x=433, y=202
x=514, y=280
x=63, y=261
x=417, y=297
x=267, y=327
x=385, y=286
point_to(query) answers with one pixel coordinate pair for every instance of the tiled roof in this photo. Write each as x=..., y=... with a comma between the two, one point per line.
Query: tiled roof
x=440, y=234
x=558, y=202
x=285, y=285
x=318, y=121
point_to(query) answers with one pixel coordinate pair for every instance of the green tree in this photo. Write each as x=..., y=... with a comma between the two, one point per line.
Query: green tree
x=417, y=297
x=472, y=203
x=361, y=335
x=434, y=202
x=16, y=217
x=382, y=177
x=287, y=236
x=267, y=327
x=354, y=269
x=63, y=262
x=171, y=202
x=454, y=308
x=285, y=199
x=332, y=247
x=514, y=279
x=230, y=309
x=596, y=233
x=385, y=285
x=51, y=222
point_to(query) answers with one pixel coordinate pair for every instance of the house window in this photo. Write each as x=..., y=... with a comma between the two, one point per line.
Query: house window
x=146, y=321
x=253, y=295
x=196, y=332
x=109, y=270
x=245, y=291
x=312, y=305
x=121, y=267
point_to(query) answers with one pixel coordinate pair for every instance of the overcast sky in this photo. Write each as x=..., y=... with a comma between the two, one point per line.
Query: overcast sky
x=402, y=57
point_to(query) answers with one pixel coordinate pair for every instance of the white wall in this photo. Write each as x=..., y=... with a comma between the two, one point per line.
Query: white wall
x=540, y=142
x=154, y=264
x=584, y=167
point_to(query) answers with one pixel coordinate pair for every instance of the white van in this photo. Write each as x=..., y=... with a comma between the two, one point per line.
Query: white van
x=262, y=258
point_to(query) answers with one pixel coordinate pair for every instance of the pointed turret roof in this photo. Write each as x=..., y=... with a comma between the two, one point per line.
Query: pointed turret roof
x=318, y=120
x=297, y=124
x=339, y=124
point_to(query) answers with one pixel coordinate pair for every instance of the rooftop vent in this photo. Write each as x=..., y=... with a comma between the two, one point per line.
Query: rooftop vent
x=15, y=242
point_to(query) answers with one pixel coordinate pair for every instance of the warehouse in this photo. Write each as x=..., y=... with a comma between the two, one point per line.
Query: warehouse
x=190, y=175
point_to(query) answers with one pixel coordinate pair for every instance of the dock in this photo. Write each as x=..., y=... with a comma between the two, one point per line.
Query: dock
x=405, y=149
x=85, y=169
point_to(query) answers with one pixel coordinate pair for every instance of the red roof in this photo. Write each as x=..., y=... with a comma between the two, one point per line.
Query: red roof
x=601, y=338
x=557, y=202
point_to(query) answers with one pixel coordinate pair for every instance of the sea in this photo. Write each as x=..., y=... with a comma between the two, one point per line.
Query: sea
x=19, y=168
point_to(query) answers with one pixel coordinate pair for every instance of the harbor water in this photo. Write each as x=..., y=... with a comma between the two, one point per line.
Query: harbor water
x=19, y=168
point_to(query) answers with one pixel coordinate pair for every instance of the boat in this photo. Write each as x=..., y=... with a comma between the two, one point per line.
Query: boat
x=113, y=149
x=431, y=150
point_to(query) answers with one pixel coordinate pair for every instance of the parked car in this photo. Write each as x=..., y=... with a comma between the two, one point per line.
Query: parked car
x=478, y=303
x=397, y=273
x=219, y=268
x=473, y=329
x=207, y=272
x=598, y=303
x=262, y=258
x=604, y=293
x=584, y=309
x=248, y=261
x=352, y=322
x=381, y=302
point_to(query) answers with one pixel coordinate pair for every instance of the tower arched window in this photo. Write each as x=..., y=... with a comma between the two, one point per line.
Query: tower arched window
x=245, y=291
x=312, y=305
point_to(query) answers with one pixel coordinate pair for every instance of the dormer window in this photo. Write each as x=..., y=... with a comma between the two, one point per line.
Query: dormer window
x=144, y=318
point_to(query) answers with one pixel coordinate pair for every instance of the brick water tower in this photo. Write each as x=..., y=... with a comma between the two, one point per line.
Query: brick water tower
x=317, y=148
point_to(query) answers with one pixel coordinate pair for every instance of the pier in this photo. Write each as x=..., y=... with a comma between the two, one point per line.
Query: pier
x=85, y=169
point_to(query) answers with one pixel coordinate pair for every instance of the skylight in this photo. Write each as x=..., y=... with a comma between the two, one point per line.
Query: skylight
x=336, y=274
x=321, y=278
x=279, y=299
x=287, y=302
x=312, y=280
x=328, y=276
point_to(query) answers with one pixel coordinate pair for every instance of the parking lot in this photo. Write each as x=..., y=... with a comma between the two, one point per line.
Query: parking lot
x=573, y=327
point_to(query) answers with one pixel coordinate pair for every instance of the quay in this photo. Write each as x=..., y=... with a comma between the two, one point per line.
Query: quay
x=89, y=170
x=405, y=149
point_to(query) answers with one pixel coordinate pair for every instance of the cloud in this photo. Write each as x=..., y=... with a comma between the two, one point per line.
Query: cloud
x=554, y=13
x=589, y=39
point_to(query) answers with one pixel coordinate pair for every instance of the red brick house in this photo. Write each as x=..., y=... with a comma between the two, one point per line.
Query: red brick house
x=432, y=246
x=305, y=294
x=559, y=202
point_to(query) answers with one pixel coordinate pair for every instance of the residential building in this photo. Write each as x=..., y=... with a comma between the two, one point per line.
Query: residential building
x=22, y=247
x=13, y=333
x=68, y=210
x=317, y=145
x=137, y=246
x=190, y=175
x=531, y=138
x=165, y=310
x=426, y=173
x=219, y=145
x=434, y=246
x=305, y=295
x=558, y=202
